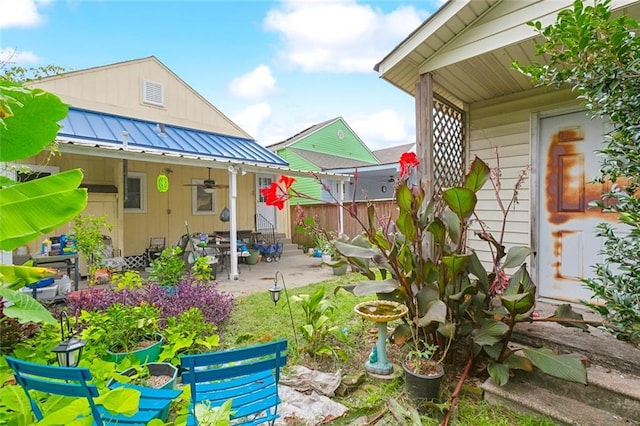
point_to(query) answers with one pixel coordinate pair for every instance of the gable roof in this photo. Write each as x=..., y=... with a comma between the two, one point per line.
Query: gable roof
x=328, y=161
x=102, y=130
x=300, y=135
x=468, y=47
x=392, y=154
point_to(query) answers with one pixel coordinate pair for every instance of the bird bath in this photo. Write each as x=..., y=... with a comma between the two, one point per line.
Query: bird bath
x=380, y=312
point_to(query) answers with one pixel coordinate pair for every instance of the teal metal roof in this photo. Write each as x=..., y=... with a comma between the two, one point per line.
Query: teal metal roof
x=108, y=130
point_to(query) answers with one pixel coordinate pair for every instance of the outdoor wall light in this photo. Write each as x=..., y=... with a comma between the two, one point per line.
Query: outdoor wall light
x=69, y=350
x=275, y=296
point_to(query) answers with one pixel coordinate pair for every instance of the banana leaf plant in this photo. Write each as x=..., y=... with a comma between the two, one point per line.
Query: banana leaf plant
x=28, y=124
x=423, y=261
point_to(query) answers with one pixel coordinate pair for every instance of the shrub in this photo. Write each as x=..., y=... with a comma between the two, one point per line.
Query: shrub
x=216, y=306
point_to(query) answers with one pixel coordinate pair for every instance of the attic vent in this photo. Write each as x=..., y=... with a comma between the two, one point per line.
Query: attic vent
x=340, y=134
x=152, y=93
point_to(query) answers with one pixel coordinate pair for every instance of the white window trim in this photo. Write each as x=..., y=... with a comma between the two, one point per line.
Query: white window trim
x=199, y=183
x=143, y=192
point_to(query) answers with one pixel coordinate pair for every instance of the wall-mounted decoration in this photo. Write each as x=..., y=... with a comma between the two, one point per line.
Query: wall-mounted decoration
x=162, y=183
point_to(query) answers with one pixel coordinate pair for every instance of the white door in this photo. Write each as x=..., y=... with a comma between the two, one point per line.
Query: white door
x=568, y=247
x=266, y=214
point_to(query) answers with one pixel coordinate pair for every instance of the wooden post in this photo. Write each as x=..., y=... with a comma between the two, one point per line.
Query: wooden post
x=424, y=132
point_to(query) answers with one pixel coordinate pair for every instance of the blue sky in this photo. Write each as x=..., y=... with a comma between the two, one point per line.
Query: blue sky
x=275, y=68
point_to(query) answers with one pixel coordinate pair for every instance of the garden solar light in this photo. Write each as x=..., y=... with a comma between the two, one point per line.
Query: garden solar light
x=69, y=350
x=275, y=296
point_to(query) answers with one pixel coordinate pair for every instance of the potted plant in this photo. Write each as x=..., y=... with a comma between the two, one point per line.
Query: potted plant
x=122, y=331
x=157, y=375
x=89, y=233
x=168, y=269
x=423, y=373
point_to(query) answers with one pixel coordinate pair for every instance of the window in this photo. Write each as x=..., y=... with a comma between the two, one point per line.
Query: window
x=203, y=200
x=263, y=182
x=24, y=175
x=135, y=198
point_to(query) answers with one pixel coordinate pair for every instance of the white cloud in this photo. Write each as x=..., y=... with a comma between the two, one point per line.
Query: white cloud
x=338, y=36
x=382, y=129
x=253, y=85
x=252, y=118
x=19, y=13
x=13, y=56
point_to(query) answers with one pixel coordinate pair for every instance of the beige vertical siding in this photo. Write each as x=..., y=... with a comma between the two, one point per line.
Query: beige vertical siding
x=505, y=124
x=117, y=89
x=166, y=212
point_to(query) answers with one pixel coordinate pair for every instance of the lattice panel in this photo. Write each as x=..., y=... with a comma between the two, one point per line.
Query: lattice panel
x=448, y=144
x=136, y=262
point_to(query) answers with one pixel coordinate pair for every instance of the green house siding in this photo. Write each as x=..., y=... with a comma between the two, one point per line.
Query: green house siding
x=304, y=185
x=336, y=139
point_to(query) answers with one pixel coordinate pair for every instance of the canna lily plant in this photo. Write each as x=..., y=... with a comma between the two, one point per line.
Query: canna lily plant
x=421, y=259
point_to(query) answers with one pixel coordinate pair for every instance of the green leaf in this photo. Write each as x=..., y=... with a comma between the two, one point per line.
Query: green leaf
x=477, y=176
x=461, y=201
x=436, y=312
x=36, y=125
x=517, y=362
x=490, y=333
x=453, y=224
x=425, y=296
x=516, y=256
x=23, y=219
x=566, y=367
x=567, y=312
x=401, y=334
x=15, y=277
x=365, y=288
x=518, y=303
x=476, y=268
x=404, y=197
x=498, y=372
x=25, y=308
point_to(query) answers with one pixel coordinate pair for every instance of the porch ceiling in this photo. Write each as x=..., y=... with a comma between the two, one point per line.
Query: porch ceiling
x=469, y=45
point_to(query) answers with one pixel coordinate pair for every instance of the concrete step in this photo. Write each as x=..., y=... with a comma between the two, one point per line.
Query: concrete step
x=612, y=396
x=523, y=396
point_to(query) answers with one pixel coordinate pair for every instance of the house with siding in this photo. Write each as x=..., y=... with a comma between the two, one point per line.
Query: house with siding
x=133, y=121
x=471, y=102
x=333, y=147
x=331, y=144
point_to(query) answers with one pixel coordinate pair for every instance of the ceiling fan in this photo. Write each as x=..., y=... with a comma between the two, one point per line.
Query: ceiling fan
x=209, y=184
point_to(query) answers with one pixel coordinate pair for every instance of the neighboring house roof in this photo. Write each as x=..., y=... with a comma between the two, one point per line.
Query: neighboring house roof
x=392, y=155
x=107, y=131
x=327, y=161
x=300, y=135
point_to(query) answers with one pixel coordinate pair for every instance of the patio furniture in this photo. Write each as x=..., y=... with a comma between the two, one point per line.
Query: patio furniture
x=74, y=382
x=156, y=245
x=248, y=376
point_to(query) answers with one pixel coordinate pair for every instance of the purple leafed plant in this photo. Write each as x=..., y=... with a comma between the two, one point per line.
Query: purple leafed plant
x=216, y=306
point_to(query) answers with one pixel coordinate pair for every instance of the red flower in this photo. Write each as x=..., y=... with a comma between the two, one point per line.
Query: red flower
x=408, y=162
x=276, y=194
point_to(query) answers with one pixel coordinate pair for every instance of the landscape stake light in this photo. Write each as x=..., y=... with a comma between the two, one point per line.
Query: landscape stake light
x=69, y=350
x=275, y=296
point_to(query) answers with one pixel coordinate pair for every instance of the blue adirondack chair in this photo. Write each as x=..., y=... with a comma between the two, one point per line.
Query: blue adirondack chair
x=247, y=376
x=74, y=382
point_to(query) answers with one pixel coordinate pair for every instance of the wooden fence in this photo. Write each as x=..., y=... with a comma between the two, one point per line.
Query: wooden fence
x=327, y=216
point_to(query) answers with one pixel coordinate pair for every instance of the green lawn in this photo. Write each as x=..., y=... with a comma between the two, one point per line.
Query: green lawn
x=257, y=319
